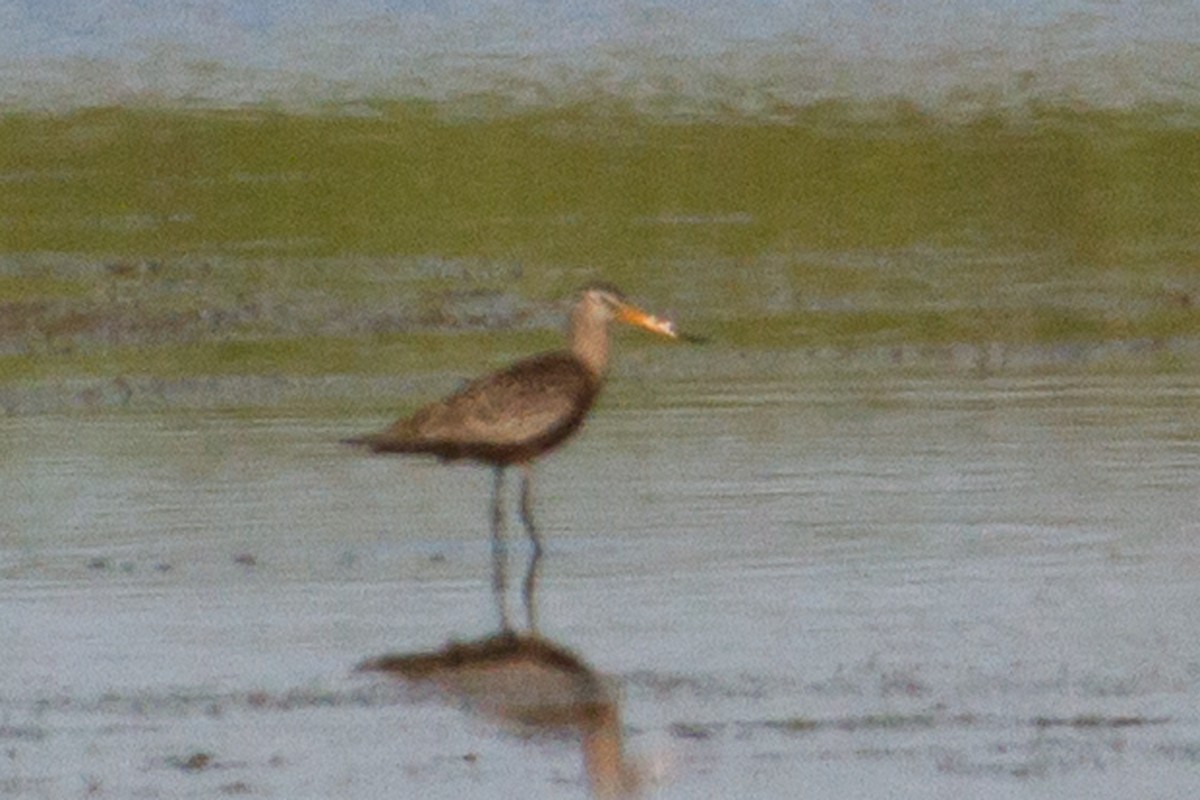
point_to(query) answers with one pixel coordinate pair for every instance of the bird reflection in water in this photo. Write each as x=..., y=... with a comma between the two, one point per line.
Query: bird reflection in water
x=511, y=417
x=534, y=687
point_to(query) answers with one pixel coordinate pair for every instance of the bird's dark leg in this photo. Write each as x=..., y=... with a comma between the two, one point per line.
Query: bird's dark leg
x=536, y=556
x=499, y=553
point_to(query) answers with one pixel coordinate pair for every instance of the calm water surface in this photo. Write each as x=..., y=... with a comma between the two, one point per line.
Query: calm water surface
x=855, y=587
x=739, y=52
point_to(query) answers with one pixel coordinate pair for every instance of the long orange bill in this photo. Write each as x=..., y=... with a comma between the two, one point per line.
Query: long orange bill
x=635, y=316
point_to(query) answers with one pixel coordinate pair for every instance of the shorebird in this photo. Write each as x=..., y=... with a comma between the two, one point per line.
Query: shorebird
x=513, y=416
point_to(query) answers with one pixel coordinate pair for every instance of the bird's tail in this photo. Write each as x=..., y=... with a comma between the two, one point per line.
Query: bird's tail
x=366, y=440
x=383, y=443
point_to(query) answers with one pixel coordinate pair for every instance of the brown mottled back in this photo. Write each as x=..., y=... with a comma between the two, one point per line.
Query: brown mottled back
x=503, y=418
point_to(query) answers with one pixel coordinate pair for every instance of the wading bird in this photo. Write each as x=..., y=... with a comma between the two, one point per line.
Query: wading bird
x=511, y=417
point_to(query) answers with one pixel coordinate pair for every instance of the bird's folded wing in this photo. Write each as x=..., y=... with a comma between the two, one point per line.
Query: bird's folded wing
x=527, y=401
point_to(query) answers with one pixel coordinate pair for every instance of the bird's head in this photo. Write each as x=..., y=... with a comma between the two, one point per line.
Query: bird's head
x=605, y=301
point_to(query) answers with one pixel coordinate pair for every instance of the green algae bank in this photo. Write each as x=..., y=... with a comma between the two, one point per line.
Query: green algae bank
x=919, y=520
x=166, y=242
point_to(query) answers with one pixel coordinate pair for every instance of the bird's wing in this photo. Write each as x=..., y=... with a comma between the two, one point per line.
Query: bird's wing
x=516, y=405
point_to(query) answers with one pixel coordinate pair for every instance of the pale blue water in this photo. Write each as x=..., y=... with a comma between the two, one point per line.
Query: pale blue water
x=742, y=54
x=911, y=588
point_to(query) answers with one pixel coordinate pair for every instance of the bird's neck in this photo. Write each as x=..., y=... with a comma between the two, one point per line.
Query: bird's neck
x=589, y=341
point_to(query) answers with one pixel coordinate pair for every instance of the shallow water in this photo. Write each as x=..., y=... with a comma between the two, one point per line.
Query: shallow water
x=738, y=53
x=853, y=586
